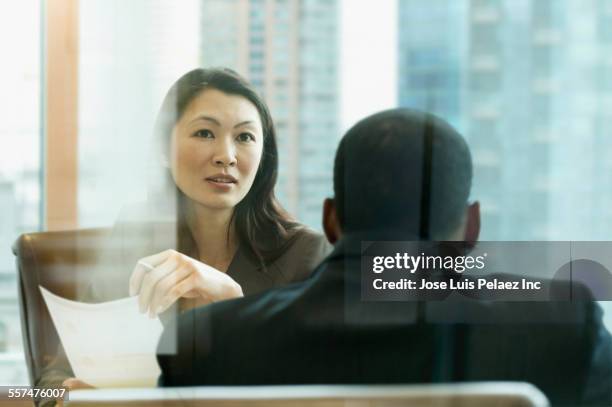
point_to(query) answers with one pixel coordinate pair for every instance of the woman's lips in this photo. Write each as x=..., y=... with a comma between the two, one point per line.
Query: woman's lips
x=222, y=182
x=222, y=178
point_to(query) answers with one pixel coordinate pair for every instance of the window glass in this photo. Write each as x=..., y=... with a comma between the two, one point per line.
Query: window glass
x=20, y=165
x=527, y=82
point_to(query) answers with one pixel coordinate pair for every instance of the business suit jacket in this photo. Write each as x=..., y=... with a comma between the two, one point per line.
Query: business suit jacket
x=320, y=332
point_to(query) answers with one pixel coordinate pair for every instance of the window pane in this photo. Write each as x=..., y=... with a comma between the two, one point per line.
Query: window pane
x=130, y=54
x=20, y=180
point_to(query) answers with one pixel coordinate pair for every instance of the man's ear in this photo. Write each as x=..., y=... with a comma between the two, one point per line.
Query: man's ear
x=472, y=224
x=331, y=226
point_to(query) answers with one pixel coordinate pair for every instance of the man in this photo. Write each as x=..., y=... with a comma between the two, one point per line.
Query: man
x=398, y=175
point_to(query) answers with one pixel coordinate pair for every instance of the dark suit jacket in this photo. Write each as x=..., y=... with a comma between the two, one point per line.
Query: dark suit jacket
x=320, y=332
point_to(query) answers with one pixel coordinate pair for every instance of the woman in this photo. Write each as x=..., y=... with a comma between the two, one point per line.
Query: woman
x=232, y=236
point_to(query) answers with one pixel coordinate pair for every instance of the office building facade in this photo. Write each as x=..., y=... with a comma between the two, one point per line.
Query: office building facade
x=527, y=83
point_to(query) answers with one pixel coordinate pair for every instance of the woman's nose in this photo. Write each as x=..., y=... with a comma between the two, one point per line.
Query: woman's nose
x=225, y=154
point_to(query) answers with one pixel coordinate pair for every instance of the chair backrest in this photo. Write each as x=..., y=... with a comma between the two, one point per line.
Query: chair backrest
x=491, y=394
x=53, y=260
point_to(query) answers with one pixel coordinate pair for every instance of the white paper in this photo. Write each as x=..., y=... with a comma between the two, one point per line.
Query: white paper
x=109, y=344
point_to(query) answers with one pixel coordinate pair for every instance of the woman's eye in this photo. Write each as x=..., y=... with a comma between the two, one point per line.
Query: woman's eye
x=245, y=137
x=203, y=133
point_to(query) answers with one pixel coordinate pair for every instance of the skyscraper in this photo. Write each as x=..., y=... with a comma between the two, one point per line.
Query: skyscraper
x=432, y=55
x=526, y=83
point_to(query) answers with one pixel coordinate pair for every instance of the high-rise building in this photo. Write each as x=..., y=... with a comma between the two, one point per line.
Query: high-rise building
x=527, y=83
x=432, y=55
x=288, y=49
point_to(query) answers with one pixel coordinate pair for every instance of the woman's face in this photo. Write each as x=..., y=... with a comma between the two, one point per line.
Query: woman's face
x=216, y=148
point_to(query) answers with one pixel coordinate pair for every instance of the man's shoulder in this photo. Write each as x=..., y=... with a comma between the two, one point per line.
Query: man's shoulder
x=254, y=308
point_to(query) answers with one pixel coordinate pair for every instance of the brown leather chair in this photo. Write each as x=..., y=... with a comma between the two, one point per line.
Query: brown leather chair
x=59, y=261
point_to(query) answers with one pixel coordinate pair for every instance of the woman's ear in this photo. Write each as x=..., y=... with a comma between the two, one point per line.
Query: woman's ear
x=331, y=226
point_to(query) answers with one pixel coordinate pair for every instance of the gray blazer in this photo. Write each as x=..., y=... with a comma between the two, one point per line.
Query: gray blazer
x=296, y=263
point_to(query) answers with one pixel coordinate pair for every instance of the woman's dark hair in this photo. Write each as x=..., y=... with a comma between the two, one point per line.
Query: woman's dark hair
x=262, y=226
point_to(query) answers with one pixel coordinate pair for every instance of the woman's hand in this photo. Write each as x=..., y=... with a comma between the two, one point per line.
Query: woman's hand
x=72, y=383
x=161, y=279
